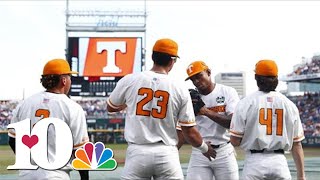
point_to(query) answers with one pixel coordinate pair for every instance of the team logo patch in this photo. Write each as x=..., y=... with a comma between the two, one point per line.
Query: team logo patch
x=220, y=99
x=94, y=157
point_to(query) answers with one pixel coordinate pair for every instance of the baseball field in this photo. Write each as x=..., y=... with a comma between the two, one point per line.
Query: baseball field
x=312, y=162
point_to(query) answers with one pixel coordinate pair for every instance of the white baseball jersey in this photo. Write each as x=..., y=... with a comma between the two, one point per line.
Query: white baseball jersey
x=267, y=121
x=155, y=102
x=43, y=105
x=223, y=100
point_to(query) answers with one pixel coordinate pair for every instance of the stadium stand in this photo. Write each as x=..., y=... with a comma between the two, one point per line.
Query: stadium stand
x=97, y=109
x=309, y=108
x=6, y=108
x=312, y=67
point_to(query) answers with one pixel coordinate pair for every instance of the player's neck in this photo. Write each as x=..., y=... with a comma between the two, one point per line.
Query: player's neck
x=158, y=70
x=208, y=90
x=55, y=91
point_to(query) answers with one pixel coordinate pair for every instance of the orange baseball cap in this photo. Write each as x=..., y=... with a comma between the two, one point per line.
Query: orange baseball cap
x=266, y=68
x=195, y=68
x=166, y=46
x=58, y=67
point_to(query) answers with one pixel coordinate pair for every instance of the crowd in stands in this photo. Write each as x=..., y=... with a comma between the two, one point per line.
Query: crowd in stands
x=309, y=108
x=6, y=108
x=312, y=67
x=94, y=108
x=97, y=109
x=308, y=105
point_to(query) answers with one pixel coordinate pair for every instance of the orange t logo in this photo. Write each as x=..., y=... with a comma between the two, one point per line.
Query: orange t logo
x=190, y=69
x=110, y=56
x=111, y=48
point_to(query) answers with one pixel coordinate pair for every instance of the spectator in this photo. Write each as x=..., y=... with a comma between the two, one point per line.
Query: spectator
x=309, y=110
x=6, y=108
x=317, y=131
x=312, y=67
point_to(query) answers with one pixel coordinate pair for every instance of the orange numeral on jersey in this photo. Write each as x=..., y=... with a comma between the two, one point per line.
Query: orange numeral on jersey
x=268, y=120
x=43, y=113
x=162, y=102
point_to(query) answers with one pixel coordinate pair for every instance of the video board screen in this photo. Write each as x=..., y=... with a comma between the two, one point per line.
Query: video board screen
x=105, y=56
x=101, y=62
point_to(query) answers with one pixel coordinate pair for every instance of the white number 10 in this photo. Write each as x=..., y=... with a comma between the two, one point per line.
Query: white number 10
x=34, y=143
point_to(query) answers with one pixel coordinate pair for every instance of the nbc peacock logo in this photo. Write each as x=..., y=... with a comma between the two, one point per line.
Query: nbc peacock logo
x=94, y=157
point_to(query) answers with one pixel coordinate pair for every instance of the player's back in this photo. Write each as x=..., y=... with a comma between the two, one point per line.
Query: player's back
x=44, y=105
x=154, y=103
x=271, y=121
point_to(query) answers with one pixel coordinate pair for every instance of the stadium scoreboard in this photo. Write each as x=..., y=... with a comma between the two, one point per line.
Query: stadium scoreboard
x=102, y=62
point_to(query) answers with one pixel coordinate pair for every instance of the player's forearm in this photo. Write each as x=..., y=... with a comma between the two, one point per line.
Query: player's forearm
x=180, y=139
x=235, y=141
x=191, y=135
x=298, y=156
x=117, y=109
x=12, y=143
x=222, y=120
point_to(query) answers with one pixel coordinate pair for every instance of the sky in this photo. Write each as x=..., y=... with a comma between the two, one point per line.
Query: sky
x=229, y=36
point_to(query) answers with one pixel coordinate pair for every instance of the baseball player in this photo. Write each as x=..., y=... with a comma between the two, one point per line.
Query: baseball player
x=213, y=120
x=53, y=102
x=155, y=102
x=266, y=124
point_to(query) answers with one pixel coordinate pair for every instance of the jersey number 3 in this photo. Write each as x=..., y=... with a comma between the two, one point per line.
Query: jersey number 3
x=268, y=120
x=43, y=113
x=162, y=103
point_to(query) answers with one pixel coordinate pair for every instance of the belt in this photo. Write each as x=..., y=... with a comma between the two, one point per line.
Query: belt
x=280, y=151
x=220, y=145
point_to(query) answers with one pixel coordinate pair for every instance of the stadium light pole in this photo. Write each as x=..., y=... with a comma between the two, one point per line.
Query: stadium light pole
x=67, y=22
x=23, y=93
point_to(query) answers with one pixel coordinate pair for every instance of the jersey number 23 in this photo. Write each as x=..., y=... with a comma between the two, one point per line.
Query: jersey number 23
x=162, y=103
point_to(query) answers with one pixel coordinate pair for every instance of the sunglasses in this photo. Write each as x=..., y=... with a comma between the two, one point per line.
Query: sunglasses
x=174, y=58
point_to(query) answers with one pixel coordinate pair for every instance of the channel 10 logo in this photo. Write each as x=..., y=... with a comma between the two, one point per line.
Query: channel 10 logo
x=33, y=144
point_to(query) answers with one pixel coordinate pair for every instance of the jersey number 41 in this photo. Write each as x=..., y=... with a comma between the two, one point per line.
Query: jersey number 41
x=267, y=120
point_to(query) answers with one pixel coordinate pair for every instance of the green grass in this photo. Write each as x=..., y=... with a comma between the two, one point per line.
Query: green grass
x=184, y=153
x=7, y=156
